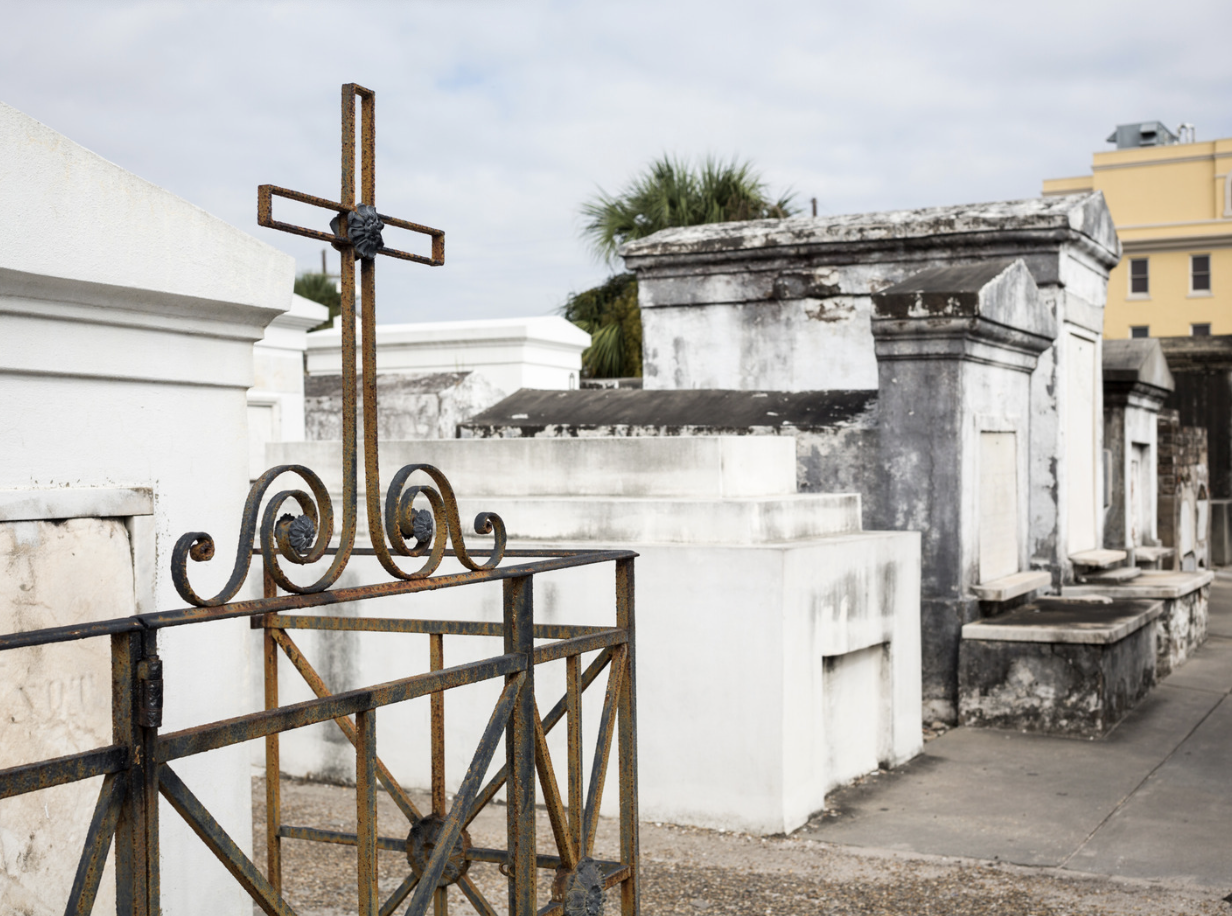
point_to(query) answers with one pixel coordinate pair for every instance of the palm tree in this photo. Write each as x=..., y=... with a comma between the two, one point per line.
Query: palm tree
x=609, y=314
x=320, y=288
x=668, y=193
x=673, y=193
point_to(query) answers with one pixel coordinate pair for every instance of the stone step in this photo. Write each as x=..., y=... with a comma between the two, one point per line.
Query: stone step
x=1012, y=586
x=1118, y=576
x=1149, y=556
x=1098, y=559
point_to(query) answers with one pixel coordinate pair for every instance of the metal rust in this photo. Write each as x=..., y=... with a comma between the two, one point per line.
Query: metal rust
x=135, y=765
x=422, y=841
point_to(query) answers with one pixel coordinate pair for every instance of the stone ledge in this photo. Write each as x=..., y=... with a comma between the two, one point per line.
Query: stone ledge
x=1118, y=575
x=1100, y=559
x=74, y=502
x=1153, y=583
x=1152, y=554
x=1013, y=586
x=1081, y=623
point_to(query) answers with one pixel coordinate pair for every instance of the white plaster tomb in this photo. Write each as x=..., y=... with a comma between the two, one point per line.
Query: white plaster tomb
x=778, y=642
x=129, y=318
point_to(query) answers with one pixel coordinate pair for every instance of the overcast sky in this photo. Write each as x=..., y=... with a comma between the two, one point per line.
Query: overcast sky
x=497, y=120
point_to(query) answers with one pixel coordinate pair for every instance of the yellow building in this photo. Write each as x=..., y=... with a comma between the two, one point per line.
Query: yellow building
x=1172, y=206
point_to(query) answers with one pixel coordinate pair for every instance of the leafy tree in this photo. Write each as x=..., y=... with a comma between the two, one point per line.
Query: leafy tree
x=668, y=193
x=320, y=288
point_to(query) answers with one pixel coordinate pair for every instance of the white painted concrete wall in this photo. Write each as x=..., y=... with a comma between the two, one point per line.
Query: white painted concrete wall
x=128, y=319
x=513, y=353
x=276, y=399
x=778, y=643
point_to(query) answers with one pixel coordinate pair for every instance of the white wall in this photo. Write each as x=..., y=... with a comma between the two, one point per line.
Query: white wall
x=276, y=399
x=513, y=353
x=128, y=321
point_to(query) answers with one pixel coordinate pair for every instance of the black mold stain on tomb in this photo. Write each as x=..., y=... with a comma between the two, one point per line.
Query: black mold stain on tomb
x=531, y=408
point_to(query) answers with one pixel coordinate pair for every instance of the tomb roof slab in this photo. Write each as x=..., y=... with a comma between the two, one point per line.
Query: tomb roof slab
x=678, y=409
x=80, y=217
x=1190, y=353
x=1153, y=583
x=1081, y=622
x=1081, y=218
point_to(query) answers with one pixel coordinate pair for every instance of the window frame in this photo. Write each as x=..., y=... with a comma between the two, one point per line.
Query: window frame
x=1193, y=329
x=1139, y=327
x=1193, y=291
x=1146, y=276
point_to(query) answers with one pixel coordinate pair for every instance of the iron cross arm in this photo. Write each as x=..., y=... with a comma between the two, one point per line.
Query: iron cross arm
x=265, y=206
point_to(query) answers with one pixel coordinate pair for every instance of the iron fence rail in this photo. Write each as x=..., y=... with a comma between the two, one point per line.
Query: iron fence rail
x=136, y=769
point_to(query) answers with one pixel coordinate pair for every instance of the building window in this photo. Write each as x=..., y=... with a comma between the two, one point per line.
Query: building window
x=1200, y=273
x=1140, y=330
x=1139, y=277
x=1200, y=330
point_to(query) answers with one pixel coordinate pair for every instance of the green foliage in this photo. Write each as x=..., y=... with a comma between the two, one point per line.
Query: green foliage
x=610, y=314
x=674, y=193
x=320, y=288
x=668, y=193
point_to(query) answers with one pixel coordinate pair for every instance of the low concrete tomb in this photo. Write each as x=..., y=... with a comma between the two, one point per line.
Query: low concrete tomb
x=778, y=641
x=434, y=375
x=1057, y=666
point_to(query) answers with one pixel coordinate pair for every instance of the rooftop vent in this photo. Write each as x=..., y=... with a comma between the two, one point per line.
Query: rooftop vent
x=1145, y=133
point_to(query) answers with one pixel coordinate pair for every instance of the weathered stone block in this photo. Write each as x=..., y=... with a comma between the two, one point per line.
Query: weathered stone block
x=1069, y=670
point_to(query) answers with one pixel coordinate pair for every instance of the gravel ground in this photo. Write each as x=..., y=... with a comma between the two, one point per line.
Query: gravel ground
x=687, y=871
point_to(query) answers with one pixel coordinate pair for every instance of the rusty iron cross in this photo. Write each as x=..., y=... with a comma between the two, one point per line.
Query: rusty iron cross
x=358, y=225
x=357, y=229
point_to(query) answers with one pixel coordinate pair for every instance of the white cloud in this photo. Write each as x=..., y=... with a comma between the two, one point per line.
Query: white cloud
x=496, y=120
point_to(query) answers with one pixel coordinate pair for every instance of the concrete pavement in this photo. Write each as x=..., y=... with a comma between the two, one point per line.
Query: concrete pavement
x=1152, y=800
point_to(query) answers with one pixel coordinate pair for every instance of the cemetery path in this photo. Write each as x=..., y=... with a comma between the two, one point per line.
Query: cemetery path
x=984, y=823
x=693, y=872
x=1150, y=801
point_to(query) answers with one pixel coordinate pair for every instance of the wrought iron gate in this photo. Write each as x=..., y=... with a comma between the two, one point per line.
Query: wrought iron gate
x=137, y=766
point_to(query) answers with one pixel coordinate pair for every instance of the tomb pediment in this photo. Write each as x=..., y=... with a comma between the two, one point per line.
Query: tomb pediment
x=1000, y=291
x=1136, y=362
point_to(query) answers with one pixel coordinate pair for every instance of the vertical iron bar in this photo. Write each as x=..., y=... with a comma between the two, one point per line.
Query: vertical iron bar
x=346, y=278
x=150, y=767
x=520, y=749
x=273, y=762
x=438, y=731
x=573, y=721
x=367, y=343
x=368, y=145
x=440, y=899
x=365, y=802
x=347, y=199
x=130, y=849
x=630, y=893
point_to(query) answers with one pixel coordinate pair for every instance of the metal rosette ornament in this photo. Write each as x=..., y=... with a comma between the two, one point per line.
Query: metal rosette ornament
x=364, y=227
x=580, y=891
x=432, y=531
x=421, y=843
x=299, y=539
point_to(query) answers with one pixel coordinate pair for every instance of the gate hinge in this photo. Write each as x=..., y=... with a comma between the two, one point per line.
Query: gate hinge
x=150, y=673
